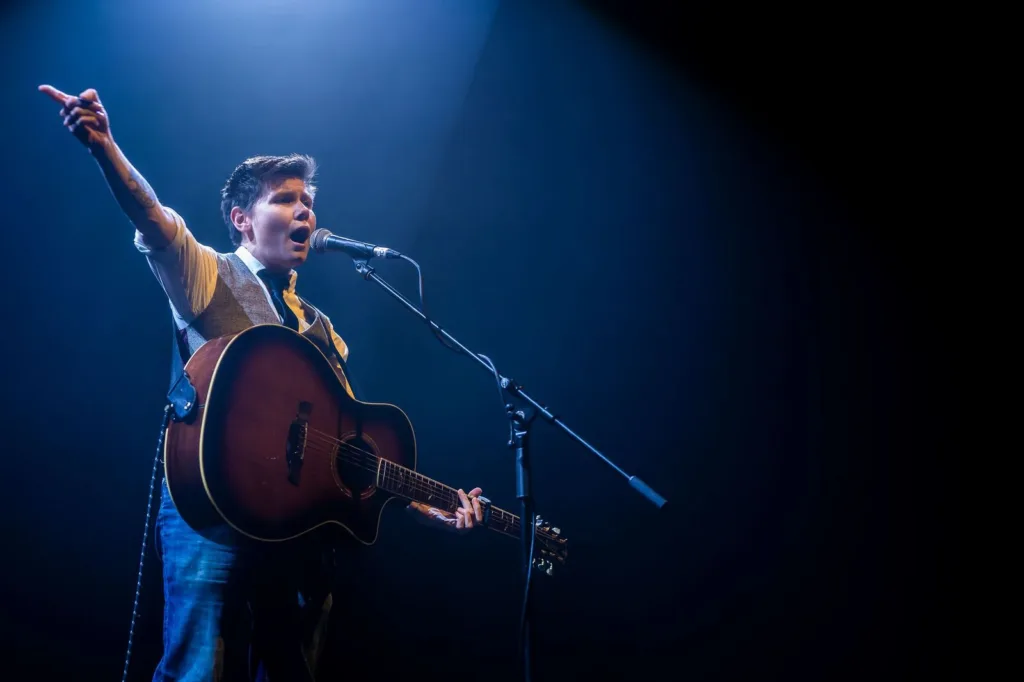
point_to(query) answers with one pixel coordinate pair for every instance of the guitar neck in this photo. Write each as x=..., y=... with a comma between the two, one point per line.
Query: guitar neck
x=399, y=480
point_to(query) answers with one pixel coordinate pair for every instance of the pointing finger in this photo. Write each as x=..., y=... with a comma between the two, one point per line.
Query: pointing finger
x=477, y=511
x=54, y=93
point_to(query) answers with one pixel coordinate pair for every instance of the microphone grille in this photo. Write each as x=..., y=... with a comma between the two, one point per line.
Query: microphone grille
x=319, y=239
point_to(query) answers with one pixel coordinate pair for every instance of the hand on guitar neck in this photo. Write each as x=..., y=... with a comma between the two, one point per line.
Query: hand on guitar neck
x=470, y=515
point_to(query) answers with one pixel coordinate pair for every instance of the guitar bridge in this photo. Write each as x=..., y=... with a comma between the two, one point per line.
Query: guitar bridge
x=295, y=450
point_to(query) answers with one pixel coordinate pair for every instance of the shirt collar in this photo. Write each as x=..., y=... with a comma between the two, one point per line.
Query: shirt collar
x=256, y=267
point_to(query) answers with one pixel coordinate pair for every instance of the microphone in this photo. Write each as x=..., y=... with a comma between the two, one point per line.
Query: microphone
x=322, y=240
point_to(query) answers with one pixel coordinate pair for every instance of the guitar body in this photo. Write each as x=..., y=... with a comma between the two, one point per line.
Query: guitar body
x=276, y=447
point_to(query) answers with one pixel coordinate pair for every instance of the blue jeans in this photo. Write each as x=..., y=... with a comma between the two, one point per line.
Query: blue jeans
x=235, y=612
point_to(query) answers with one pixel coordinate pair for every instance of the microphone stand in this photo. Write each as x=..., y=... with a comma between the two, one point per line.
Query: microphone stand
x=520, y=422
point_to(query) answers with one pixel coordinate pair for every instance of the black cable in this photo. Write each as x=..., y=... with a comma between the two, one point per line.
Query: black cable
x=523, y=638
x=524, y=655
x=145, y=536
x=423, y=308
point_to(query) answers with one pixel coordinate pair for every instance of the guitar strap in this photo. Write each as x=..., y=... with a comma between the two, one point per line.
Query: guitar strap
x=335, y=349
x=179, y=351
x=182, y=394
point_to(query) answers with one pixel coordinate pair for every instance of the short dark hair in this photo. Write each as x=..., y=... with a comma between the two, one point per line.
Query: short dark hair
x=252, y=178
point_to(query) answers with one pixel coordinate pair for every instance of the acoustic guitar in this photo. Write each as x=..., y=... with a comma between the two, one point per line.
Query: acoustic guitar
x=272, y=444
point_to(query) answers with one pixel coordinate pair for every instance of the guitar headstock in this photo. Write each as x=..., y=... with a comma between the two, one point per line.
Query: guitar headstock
x=550, y=546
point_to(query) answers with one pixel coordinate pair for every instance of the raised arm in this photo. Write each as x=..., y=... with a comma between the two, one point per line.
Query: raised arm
x=186, y=269
x=85, y=116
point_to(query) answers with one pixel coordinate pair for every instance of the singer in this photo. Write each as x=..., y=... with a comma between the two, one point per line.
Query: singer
x=226, y=601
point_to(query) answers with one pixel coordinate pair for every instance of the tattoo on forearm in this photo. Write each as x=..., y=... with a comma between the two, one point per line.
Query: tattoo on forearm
x=140, y=189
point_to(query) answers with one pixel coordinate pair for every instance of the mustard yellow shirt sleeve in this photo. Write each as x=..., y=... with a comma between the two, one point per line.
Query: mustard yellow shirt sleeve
x=185, y=269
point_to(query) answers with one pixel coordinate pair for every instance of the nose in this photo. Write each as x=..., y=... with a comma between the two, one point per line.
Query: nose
x=302, y=213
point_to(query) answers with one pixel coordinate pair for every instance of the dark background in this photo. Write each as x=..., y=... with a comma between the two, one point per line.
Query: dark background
x=691, y=229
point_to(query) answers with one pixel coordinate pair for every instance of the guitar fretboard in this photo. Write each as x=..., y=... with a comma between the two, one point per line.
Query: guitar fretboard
x=398, y=480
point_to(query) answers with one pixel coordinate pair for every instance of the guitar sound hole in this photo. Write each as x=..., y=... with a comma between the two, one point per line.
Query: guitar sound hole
x=356, y=464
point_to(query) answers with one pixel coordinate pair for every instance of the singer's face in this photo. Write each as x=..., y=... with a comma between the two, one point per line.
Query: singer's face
x=280, y=225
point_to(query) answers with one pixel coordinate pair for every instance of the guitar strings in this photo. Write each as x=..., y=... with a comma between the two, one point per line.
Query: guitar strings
x=418, y=479
x=361, y=458
x=504, y=522
x=365, y=460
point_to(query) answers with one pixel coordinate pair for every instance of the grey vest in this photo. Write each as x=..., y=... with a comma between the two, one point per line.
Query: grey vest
x=239, y=302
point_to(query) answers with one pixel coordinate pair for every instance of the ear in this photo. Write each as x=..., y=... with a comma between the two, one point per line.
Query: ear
x=241, y=222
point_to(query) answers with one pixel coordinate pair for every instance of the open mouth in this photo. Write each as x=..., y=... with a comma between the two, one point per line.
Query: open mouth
x=300, y=234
